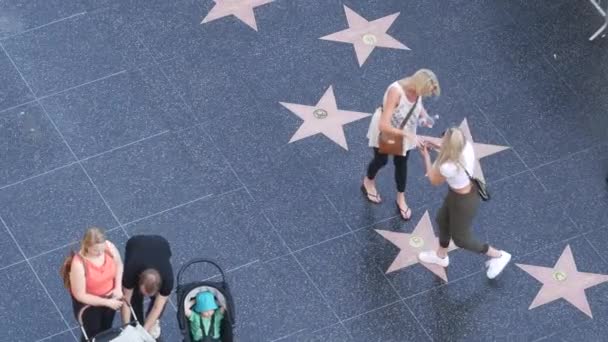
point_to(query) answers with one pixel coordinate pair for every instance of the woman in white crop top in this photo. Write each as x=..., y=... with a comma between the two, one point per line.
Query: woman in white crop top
x=460, y=205
x=400, y=97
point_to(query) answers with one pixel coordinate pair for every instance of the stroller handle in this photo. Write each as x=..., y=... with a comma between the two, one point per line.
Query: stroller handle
x=198, y=261
x=84, y=308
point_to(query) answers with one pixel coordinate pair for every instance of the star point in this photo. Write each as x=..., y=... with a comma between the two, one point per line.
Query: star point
x=241, y=9
x=563, y=280
x=481, y=150
x=324, y=118
x=366, y=35
x=422, y=238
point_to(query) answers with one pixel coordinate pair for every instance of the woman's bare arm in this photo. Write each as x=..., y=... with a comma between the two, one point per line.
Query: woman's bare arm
x=119, y=270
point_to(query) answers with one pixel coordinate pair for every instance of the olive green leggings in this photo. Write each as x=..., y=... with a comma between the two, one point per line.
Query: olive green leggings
x=455, y=219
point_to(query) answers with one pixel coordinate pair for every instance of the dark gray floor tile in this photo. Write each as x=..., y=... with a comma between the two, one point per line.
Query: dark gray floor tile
x=457, y=19
x=173, y=29
x=27, y=313
x=526, y=99
x=77, y=50
x=117, y=111
x=392, y=323
x=476, y=309
x=47, y=267
x=52, y=210
x=226, y=228
x=594, y=119
x=539, y=139
x=580, y=181
x=20, y=16
x=13, y=90
x=540, y=13
x=349, y=279
x=169, y=328
x=292, y=200
x=265, y=138
x=212, y=94
x=306, y=220
x=63, y=337
x=598, y=239
x=31, y=144
x=9, y=252
x=522, y=217
x=592, y=330
x=288, y=298
x=334, y=333
x=159, y=173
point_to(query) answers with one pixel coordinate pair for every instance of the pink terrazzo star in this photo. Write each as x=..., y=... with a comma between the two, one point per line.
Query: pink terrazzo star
x=324, y=118
x=481, y=150
x=421, y=239
x=366, y=35
x=564, y=281
x=242, y=9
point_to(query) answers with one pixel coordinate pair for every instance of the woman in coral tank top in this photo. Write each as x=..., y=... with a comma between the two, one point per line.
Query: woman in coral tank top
x=93, y=275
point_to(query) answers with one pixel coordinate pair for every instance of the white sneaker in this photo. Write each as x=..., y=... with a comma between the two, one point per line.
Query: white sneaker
x=497, y=265
x=155, y=331
x=430, y=257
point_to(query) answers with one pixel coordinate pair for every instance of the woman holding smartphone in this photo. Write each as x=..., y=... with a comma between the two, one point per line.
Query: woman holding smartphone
x=398, y=119
x=454, y=165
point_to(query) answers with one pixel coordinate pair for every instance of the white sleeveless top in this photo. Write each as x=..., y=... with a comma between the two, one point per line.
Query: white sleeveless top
x=454, y=173
x=399, y=114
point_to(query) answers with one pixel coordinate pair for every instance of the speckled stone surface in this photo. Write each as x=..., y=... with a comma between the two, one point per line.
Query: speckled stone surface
x=31, y=145
x=77, y=50
x=53, y=210
x=229, y=231
x=288, y=298
x=13, y=90
x=26, y=301
x=395, y=322
x=117, y=111
x=160, y=173
x=351, y=280
x=136, y=117
x=20, y=16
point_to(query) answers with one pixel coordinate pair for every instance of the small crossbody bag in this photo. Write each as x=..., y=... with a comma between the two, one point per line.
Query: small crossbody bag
x=388, y=144
x=482, y=187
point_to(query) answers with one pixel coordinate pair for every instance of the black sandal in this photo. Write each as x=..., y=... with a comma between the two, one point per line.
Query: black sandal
x=370, y=196
x=404, y=213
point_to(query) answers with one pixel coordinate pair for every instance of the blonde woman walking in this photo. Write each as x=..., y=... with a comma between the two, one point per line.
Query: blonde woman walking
x=454, y=164
x=93, y=276
x=393, y=131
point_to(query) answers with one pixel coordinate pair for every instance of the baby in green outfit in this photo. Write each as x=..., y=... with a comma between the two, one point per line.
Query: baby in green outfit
x=205, y=318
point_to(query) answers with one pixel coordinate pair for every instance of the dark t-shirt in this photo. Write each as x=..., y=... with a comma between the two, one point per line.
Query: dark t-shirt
x=148, y=251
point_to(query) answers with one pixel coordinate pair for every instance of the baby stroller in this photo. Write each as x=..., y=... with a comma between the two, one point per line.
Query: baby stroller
x=187, y=292
x=130, y=332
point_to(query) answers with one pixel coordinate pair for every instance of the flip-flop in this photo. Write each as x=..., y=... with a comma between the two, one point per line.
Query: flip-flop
x=404, y=213
x=370, y=196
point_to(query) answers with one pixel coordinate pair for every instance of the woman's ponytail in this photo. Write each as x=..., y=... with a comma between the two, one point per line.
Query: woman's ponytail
x=66, y=268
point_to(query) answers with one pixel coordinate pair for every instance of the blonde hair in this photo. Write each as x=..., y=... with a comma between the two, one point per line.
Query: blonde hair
x=92, y=237
x=452, y=146
x=424, y=82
